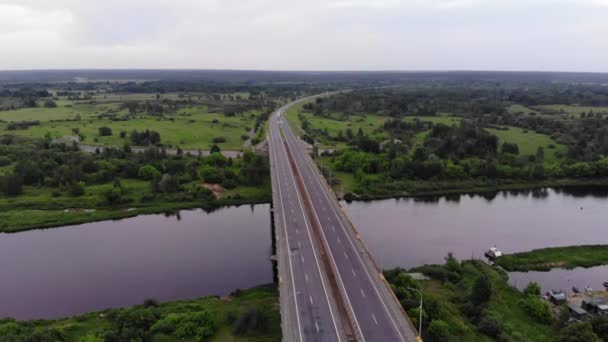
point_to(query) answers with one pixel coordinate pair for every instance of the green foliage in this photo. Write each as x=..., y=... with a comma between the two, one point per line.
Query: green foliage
x=148, y=172
x=532, y=289
x=537, y=308
x=482, y=290
x=578, y=332
x=251, y=321
x=199, y=325
x=547, y=258
x=439, y=330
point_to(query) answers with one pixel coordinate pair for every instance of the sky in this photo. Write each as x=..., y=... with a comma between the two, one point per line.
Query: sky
x=525, y=35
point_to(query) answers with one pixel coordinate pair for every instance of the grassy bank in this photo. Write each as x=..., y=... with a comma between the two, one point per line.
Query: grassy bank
x=470, y=301
x=250, y=315
x=563, y=257
x=443, y=188
x=22, y=216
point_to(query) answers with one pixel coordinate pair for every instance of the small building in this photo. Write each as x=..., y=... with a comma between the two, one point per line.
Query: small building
x=596, y=305
x=577, y=312
x=557, y=297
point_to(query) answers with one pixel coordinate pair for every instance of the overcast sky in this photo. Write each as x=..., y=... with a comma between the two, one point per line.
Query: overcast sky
x=558, y=35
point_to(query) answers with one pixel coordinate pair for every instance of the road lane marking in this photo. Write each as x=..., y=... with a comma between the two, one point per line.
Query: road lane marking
x=355, y=274
x=311, y=302
x=339, y=241
x=299, y=245
x=302, y=257
x=346, y=255
x=375, y=320
x=293, y=282
x=306, y=276
x=317, y=325
x=362, y=293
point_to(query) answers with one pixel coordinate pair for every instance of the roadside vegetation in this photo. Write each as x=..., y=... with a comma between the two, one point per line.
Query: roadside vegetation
x=432, y=140
x=249, y=315
x=546, y=259
x=472, y=301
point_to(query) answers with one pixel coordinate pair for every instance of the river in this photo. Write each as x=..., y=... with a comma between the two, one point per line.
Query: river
x=70, y=270
x=412, y=232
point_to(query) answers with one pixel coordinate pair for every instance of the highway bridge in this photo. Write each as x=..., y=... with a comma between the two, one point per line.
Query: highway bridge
x=330, y=287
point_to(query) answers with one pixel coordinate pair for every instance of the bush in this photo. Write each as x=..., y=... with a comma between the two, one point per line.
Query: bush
x=439, y=330
x=490, y=325
x=148, y=172
x=252, y=321
x=198, y=326
x=482, y=290
x=76, y=189
x=4, y=161
x=218, y=140
x=533, y=289
x=11, y=184
x=537, y=309
x=105, y=131
x=50, y=104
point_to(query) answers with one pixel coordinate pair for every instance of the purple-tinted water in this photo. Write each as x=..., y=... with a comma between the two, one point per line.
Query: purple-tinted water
x=560, y=279
x=65, y=271
x=413, y=232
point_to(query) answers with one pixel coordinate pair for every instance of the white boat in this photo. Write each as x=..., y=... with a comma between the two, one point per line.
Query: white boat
x=493, y=253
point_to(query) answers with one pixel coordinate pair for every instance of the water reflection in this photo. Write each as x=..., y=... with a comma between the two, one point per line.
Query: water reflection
x=561, y=279
x=413, y=232
x=185, y=254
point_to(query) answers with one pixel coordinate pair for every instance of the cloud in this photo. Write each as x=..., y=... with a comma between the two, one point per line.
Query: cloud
x=312, y=34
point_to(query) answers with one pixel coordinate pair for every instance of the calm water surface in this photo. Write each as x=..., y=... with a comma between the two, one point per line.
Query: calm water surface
x=65, y=271
x=413, y=232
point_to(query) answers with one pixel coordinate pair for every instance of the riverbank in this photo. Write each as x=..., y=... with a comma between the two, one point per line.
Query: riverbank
x=470, y=301
x=20, y=219
x=446, y=188
x=248, y=315
x=546, y=259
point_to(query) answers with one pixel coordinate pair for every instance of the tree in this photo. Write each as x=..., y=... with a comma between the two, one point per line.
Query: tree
x=50, y=104
x=540, y=154
x=11, y=184
x=148, y=172
x=215, y=149
x=510, y=148
x=482, y=290
x=533, y=289
x=105, y=131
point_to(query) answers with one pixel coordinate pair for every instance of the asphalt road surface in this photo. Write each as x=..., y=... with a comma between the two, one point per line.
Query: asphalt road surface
x=374, y=312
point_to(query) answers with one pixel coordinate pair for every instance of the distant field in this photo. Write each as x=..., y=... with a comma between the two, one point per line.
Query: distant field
x=529, y=142
x=66, y=110
x=194, y=131
x=576, y=110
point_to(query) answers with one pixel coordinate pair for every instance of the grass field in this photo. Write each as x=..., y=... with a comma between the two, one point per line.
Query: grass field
x=528, y=142
x=66, y=110
x=92, y=327
x=190, y=129
x=563, y=257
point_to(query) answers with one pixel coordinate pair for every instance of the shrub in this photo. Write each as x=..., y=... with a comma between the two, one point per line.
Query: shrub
x=533, y=289
x=105, y=131
x=251, y=321
x=218, y=140
x=490, y=325
x=537, y=309
x=76, y=189
x=439, y=330
x=198, y=326
x=50, y=104
x=4, y=161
